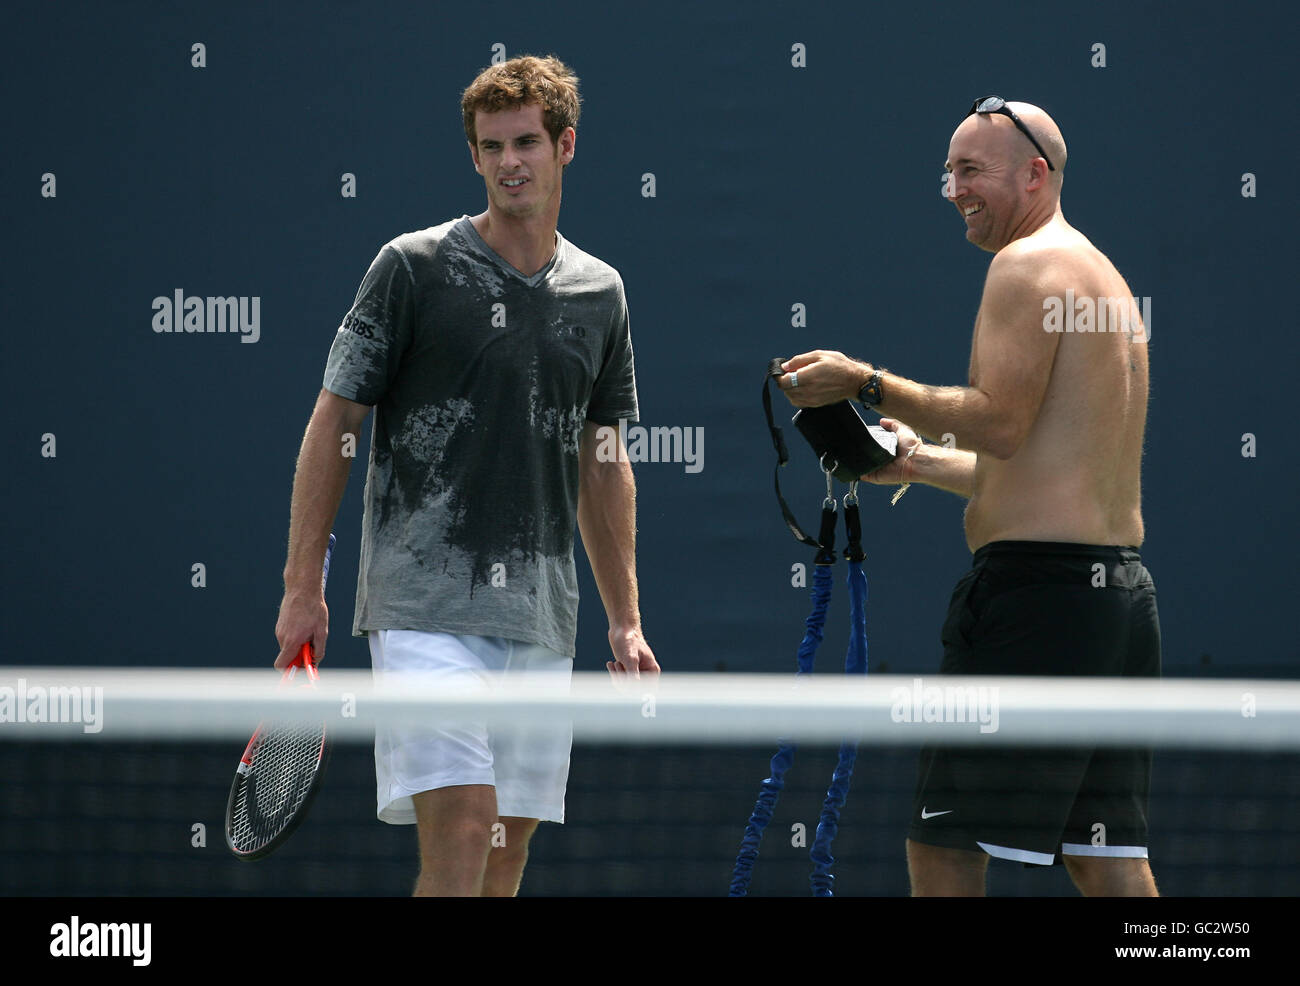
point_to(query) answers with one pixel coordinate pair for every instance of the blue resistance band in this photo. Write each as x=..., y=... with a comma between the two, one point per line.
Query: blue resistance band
x=855, y=662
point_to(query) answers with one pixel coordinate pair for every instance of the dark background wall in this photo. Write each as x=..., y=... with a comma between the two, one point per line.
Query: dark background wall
x=775, y=185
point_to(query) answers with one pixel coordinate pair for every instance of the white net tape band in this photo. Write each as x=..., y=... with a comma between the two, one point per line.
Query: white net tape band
x=119, y=704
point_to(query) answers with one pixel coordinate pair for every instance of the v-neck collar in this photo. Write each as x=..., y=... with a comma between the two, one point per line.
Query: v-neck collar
x=481, y=244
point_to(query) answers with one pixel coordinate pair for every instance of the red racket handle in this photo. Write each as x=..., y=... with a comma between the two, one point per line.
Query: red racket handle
x=305, y=659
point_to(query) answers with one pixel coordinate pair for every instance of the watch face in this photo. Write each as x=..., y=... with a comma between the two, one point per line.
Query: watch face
x=870, y=394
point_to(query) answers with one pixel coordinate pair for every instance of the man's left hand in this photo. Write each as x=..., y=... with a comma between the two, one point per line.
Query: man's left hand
x=632, y=655
x=822, y=377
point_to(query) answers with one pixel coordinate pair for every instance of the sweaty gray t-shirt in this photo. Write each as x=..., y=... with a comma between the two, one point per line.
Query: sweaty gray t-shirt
x=481, y=380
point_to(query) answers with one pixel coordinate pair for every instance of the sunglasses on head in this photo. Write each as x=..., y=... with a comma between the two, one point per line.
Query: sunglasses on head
x=996, y=104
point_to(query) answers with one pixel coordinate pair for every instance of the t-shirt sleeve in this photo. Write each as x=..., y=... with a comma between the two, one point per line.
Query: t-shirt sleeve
x=614, y=395
x=376, y=331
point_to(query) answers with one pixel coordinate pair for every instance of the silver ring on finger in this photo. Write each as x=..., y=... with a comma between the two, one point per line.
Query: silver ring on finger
x=794, y=379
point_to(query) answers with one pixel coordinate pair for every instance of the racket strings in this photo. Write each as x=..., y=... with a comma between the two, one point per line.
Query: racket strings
x=276, y=783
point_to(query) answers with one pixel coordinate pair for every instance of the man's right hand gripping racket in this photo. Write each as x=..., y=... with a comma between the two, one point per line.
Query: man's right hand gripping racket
x=279, y=773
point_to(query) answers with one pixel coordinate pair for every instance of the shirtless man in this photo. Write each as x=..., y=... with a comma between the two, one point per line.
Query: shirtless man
x=1048, y=445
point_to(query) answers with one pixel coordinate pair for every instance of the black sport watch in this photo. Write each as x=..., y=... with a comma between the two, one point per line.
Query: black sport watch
x=871, y=393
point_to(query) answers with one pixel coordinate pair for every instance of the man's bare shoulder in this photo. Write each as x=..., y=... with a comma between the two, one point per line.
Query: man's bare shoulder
x=1047, y=261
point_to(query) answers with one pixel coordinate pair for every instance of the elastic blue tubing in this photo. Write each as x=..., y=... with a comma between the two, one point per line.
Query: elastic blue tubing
x=770, y=789
x=855, y=662
x=823, y=580
x=763, y=808
x=822, y=880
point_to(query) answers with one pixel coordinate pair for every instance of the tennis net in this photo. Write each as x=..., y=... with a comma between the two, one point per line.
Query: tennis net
x=115, y=781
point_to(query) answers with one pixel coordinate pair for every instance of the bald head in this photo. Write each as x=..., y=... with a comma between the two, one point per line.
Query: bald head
x=1045, y=131
x=999, y=134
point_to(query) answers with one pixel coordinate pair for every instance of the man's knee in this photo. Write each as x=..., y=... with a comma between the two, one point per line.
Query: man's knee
x=508, y=856
x=464, y=829
x=510, y=839
x=1105, y=876
x=937, y=871
x=456, y=815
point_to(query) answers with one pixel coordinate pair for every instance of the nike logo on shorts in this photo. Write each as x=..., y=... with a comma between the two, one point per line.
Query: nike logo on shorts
x=932, y=814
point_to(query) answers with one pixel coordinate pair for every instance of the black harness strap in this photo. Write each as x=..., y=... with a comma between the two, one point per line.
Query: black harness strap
x=853, y=525
x=782, y=457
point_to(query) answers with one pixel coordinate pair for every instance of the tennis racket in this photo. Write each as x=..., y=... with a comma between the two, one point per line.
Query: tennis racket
x=280, y=771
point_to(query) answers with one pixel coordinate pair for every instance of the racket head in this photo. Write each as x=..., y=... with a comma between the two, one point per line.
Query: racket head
x=276, y=780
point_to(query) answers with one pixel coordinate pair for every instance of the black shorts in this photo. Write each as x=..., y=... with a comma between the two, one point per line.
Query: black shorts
x=1043, y=608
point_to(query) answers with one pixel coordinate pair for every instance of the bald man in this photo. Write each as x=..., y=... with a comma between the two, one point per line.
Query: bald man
x=1045, y=443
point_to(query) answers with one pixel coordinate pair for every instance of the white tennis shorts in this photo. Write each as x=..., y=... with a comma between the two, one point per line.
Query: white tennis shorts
x=528, y=766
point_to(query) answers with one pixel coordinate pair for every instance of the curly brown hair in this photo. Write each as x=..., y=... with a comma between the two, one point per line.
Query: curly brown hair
x=526, y=79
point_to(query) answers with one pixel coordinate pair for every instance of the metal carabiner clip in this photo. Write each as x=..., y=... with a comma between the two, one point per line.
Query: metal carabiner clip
x=830, y=503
